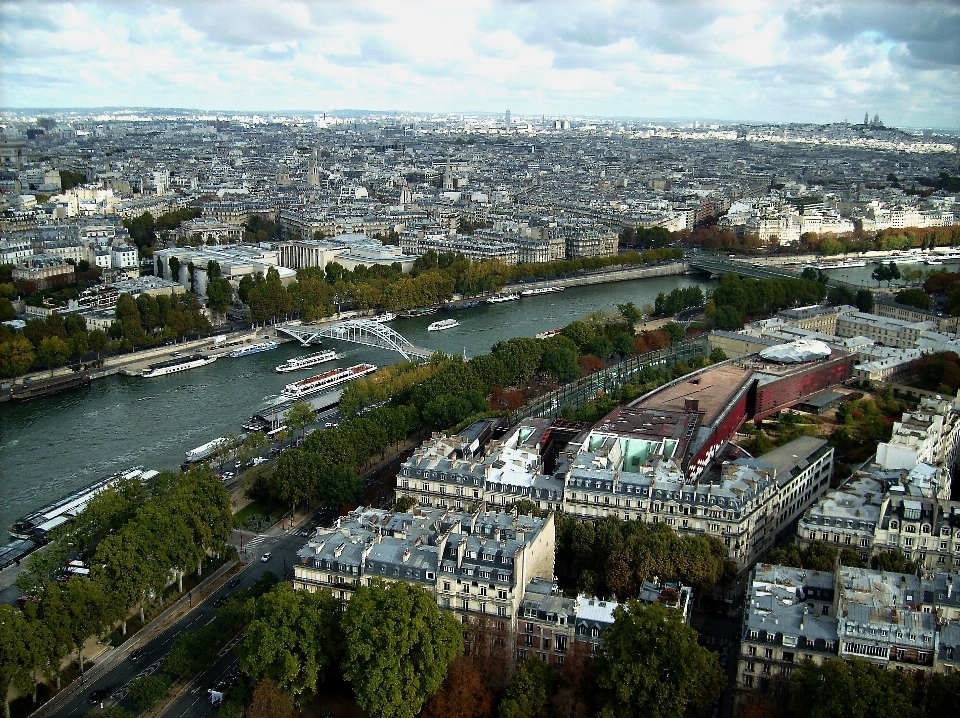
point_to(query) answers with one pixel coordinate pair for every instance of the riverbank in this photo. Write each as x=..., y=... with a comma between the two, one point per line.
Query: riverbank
x=138, y=360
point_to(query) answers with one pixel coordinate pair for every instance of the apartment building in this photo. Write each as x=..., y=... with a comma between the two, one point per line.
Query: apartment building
x=887, y=307
x=788, y=617
x=879, y=510
x=625, y=469
x=926, y=435
x=473, y=563
x=452, y=473
x=894, y=620
x=815, y=318
x=751, y=504
x=883, y=330
x=550, y=624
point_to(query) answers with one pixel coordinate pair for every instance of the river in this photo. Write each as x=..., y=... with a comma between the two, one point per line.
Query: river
x=50, y=447
x=860, y=276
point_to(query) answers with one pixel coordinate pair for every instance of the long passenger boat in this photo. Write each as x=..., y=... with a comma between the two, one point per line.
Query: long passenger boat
x=177, y=365
x=38, y=525
x=305, y=362
x=325, y=381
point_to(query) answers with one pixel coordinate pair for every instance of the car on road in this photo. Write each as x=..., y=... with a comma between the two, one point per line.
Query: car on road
x=220, y=601
x=100, y=695
x=234, y=582
x=265, y=557
x=137, y=654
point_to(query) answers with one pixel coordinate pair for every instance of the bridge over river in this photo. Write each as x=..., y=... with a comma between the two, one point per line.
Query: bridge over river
x=718, y=266
x=358, y=331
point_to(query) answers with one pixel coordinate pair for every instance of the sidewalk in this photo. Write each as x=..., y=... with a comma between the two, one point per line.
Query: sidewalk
x=111, y=656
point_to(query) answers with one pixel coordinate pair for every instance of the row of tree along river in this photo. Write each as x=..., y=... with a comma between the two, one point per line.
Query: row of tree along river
x=52, y=446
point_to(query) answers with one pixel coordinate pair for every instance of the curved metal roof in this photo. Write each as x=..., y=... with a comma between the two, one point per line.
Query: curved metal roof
x=797, y=352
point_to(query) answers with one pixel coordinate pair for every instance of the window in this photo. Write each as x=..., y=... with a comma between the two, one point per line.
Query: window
x=748, y=681
x=751, y=666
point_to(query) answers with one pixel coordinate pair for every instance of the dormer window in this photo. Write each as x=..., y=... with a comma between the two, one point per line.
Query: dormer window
x=894, y=525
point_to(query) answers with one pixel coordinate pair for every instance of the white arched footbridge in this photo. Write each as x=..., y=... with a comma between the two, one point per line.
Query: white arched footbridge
x=358, y=331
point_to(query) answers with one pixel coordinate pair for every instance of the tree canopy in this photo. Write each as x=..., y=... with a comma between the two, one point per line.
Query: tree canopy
x=652, y=666
x=397, y=647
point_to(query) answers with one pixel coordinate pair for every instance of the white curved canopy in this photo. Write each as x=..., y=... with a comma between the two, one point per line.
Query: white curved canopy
x=796, y=352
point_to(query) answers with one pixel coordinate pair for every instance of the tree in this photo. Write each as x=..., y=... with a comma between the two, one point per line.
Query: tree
x=219, y=294
x=87, y=610
x=676, y=332
x=463, y=693
x=849, y=689
x=270, y=701
x=529, y=689
x=561, y=363
x=914, y=297
x=299, y=416
x=398, y=645
x=630, y=312
x=292, y=638
x=146, y=690
x=16, y=356
x=652, y=666
x=339, y=485
x=52, y=353
x=193, y=651
x=15, y=665
x=864, y=300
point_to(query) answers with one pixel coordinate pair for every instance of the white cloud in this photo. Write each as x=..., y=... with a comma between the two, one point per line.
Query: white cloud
x=793, y=60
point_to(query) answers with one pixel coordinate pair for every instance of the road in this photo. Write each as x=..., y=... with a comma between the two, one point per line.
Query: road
x=194, y=701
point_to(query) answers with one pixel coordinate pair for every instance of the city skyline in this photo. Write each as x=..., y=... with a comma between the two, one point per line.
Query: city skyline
x=754, y=62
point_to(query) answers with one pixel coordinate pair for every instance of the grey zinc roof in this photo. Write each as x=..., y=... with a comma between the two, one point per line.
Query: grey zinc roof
x=777, y=603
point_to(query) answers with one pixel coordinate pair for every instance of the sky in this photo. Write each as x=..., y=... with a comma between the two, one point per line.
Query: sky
x=733, y=60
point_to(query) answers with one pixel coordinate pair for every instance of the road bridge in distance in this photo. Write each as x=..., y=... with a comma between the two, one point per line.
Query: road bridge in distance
x=718, y=266
x=358, y=331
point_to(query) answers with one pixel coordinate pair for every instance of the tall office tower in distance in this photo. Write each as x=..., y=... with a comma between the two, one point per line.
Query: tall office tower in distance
x=506, y=118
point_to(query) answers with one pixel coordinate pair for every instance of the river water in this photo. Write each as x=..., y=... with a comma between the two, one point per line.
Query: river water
x=50, y=447
x=860, y=276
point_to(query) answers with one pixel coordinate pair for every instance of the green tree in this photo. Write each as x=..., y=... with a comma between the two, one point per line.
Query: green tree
x=193, y=651
x=676, y=332
x=652, y=666
x=219, y=294
x=16, y=356
x=293, y=638
x=339, y=485
x=528, y=690
x=561, y=364
x=630, y=312
x=849, y=689
x=88, y=611
x=146, y=690
x=398, y=645
x=15, y=663
x=53, y=352
x=299, y=416
x=914, y=297
x=864, y=300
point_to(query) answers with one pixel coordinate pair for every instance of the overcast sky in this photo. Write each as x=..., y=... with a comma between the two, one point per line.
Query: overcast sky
x=732, y=59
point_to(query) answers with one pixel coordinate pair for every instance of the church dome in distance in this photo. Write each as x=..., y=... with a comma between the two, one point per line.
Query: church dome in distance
x=796, y=352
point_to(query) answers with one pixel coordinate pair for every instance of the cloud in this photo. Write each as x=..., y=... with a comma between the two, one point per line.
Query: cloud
x=757, y=60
